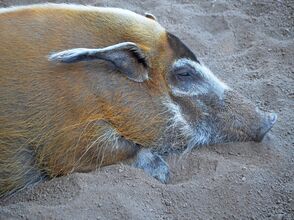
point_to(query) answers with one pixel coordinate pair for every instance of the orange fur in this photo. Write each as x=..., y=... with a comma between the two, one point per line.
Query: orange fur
x=54, y=118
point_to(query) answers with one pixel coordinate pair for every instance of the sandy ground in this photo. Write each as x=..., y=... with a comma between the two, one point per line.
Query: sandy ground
x=249, y=44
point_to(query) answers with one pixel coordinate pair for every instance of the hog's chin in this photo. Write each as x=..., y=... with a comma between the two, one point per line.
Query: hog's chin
x=203, y=135
x=181, y=132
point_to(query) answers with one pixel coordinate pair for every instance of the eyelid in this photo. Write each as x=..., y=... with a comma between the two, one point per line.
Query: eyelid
x=184, y=69
x=184, y=73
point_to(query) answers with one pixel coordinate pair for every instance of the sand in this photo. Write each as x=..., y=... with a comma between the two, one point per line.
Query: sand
x=248, y=44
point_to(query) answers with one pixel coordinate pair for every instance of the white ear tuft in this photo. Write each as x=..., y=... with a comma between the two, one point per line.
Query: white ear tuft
x=69, y=56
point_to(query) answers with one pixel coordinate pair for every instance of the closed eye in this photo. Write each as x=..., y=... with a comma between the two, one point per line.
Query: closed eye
x=184, y=74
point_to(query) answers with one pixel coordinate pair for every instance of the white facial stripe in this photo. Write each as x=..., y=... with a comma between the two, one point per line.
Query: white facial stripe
x=213, y=83
x=197, y=90
x=178, y=120
x=196, y=136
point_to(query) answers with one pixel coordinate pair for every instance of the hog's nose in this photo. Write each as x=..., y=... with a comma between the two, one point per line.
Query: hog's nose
x=269, y=121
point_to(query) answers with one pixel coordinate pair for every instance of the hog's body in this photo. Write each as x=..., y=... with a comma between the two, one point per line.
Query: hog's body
x=59, y=115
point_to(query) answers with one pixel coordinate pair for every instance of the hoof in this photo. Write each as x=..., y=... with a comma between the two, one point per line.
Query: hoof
x=153, y=164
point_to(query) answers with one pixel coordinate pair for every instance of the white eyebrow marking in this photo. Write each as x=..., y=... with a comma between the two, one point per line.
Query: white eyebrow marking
x=212, y=83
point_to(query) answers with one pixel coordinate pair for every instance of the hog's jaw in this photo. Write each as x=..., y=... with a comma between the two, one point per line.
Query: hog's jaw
x=201, y=134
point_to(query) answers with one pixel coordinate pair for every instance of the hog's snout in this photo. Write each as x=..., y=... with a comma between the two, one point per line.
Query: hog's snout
x=269, y=121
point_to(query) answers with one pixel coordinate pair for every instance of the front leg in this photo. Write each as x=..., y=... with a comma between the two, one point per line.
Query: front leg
x=85, y=148
x=153, y=164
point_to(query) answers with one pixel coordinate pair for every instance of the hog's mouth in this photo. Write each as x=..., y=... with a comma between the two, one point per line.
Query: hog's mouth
x=205, y=132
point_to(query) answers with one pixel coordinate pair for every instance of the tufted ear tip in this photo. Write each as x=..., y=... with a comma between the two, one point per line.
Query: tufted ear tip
x=70, y=56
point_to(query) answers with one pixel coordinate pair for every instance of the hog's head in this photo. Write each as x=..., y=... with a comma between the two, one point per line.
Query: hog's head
x=207, y=110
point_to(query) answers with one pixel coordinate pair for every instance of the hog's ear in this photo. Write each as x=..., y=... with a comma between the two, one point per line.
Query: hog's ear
x=127, y=57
